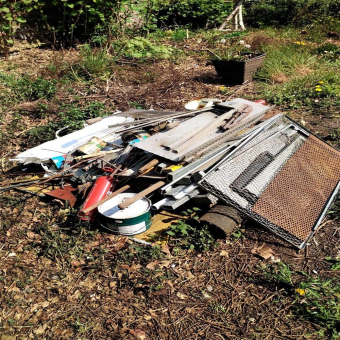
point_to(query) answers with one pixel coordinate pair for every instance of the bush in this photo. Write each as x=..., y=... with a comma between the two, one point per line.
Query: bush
x=285, y=12
x=66, y=21
x=193, y=13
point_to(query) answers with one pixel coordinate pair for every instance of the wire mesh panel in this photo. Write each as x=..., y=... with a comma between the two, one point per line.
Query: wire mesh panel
x=301, y=188
x=282, y=178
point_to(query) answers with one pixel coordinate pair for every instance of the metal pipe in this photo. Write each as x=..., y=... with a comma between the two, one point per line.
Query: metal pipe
x=186, y=191
x=182, y=114
x=159, y=204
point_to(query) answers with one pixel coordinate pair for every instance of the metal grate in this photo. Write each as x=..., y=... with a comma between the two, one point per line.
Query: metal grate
x=282, y=177
x=295, y=198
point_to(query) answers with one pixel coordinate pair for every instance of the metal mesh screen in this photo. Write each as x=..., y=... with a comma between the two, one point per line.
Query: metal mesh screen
x=282, y=178
x=295, y=198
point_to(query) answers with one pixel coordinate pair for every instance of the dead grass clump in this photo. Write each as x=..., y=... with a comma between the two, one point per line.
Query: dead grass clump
x=258, y=40
x=280, y=78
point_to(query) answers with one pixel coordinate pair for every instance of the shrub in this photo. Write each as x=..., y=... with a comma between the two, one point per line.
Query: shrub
x=285, y=12
x=194, y=13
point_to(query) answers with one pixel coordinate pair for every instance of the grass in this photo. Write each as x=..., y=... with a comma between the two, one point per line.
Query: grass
x=286, y=61
x=93, y=64
x=317, y=89
x=317, y=300
x=296, y=76
x=20, y=88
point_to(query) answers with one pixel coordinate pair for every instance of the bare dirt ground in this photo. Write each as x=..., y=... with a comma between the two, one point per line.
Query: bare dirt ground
x=61, y=280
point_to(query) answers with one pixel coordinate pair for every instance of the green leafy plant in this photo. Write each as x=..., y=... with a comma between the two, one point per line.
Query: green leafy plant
x=27, y=88
x=194, y=13
x=179, y=34
x=68, y=20
x=12, y=15
x=285, y=61
x=142, y=48
x=182, y=235
x=235, y=51
x=285, y=12
x=279, y=273
x=319, y=89
x=93, y=64
x=238, y=234
x=335, y=261
x=328, y=51
x=70, y=115
x=317, y=300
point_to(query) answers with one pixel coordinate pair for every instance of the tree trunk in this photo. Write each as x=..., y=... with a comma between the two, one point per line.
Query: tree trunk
x=235, y=15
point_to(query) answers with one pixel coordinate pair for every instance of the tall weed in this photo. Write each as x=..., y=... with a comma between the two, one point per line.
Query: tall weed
x=286, y=61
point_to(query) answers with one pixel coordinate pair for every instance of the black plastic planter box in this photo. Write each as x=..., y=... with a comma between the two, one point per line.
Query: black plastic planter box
x=238, y=72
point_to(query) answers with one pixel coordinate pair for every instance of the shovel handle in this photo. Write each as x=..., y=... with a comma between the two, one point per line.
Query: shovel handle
x=115, y=193
x=142, y=194
x=148, y=166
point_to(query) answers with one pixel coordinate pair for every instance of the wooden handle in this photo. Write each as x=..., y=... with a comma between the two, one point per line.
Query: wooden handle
x=115, y=170
x=148, y=166
x=142, y=194
x=103, y=200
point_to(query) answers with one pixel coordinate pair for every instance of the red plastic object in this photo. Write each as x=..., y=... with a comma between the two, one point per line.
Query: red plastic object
x=261, y=101
x=99, y=191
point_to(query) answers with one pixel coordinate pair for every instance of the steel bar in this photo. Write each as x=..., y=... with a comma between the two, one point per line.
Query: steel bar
x=181, y=114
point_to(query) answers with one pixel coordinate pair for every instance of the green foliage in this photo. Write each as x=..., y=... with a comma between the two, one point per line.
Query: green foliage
x=142, y=48
x=27, y=88
x=317, y=300
x=318, y=89
x=329, y=52
x=93, y=64
x=334, y=211
x=296, y=78
x=235, y=52
x=138, y=106
x=70, y=19
x=285, y=12
x=194, y=13
x=182, y=235
x=285, y=60
x=71, y=115
x=13, y=13
x=141, y=253
x=40, y=134
x=179, y=34
x=238, y=234
x=336, y=263
x=279, y=273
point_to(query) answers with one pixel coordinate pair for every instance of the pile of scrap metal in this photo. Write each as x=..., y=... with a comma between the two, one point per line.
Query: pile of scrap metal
x=223, y=157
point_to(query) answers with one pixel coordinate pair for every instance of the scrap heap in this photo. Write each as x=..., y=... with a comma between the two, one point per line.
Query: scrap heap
x=123, y=168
